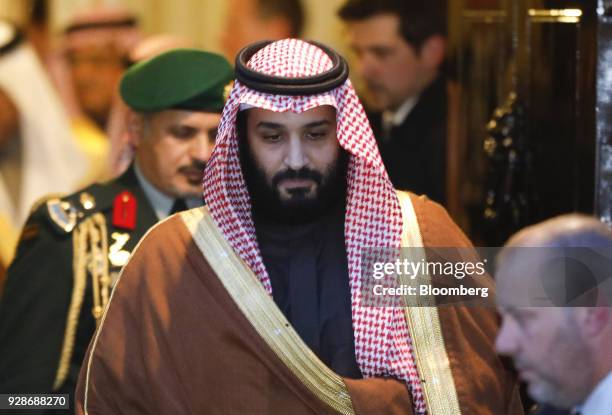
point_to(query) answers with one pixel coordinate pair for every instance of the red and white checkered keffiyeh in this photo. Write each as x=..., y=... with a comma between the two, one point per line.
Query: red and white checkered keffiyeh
x=373, y=216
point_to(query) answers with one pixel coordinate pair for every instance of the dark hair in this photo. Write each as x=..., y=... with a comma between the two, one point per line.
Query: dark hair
x=292, y=10
x=419, y=19
x=241, y=125
x=39, y=12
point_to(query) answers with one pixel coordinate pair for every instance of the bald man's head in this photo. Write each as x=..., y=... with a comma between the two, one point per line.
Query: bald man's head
x=571, y=230
x=559, y=262
x=554, y=294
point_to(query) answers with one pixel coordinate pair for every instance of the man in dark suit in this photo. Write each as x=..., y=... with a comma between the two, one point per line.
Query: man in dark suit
x=72, y=248
x=400, y=48
x=554, y=291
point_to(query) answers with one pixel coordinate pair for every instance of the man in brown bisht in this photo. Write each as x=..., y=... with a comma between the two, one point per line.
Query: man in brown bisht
x=254, y=303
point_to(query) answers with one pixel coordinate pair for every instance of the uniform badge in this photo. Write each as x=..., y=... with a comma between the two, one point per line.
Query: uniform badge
x=87, y=201
x=124, y=211
x=116, y=254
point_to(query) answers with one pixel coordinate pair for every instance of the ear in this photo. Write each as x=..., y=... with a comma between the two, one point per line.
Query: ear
x=135, y=127
x=593, y=320
x=433, y=51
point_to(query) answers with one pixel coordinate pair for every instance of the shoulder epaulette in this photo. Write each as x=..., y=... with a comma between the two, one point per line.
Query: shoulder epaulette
x=42, y=200
x=62, y=213
x=66, y=213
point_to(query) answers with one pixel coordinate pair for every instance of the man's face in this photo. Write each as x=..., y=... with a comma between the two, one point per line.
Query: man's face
x=390, y=67
x=544, y=342
x=173, y=147
x=298, y=165
x=9, y=119
x=96, y=71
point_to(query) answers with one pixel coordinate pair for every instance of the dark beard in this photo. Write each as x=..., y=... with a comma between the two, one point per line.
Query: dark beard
x=267, y=204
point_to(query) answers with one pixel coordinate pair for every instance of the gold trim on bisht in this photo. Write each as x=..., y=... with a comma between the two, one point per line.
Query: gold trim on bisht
x=263, y=314
x=423, y=322
x=90, y=248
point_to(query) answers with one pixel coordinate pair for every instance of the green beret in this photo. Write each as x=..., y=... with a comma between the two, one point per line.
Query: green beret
x=188, y=79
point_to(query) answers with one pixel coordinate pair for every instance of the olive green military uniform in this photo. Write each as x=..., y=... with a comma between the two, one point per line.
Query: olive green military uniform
x=68, y=257
x=72, y=248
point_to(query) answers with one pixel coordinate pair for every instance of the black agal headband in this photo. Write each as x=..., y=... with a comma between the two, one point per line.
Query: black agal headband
x=10, y=36
x=282, y=85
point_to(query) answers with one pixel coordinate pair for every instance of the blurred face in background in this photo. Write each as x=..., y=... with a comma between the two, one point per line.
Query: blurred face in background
x=172, y=148
x=9, y=119
x=390, y=67
x=96, y=71
x=245, y=25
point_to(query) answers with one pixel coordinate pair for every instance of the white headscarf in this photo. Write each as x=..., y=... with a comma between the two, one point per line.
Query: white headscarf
x=51, y=160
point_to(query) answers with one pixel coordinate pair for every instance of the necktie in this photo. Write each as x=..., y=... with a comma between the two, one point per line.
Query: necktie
x=178, y=206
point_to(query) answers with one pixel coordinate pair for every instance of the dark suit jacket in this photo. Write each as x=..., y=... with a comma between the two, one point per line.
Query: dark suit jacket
x=415, y=153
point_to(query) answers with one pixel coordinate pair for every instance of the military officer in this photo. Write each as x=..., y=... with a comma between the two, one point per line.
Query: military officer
x=72, y=248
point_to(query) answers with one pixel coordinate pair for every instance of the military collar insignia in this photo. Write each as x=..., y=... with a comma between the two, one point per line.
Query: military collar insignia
x=124, y=211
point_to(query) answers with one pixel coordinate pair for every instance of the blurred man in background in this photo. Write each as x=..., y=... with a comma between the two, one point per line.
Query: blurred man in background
x=400, y=47
x=96, y=43
x=251, y=20
x=86, y=68
x=38, y=153
x=72, y=248
x=555, y=295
